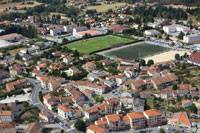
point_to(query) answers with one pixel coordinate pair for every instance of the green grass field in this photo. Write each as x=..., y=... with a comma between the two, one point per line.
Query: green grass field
x=132, y=52
x=91, y=45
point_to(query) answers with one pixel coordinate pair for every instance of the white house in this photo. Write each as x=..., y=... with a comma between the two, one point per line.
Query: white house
x=175, y=28
x=69, y=28
x=57, y=31
x=191, y=38
x=65, y=112
x=68, y=59
x=151, y=32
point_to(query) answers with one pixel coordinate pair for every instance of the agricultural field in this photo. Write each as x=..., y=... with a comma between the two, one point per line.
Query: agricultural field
x=95, y=44
x=17, y=4
x=132, y=52
x=105, y=7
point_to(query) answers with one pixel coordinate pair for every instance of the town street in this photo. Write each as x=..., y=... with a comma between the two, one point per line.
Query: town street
x=36, y=102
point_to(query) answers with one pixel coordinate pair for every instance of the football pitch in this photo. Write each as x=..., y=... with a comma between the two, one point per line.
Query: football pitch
x=95, y=44
x=133, y=52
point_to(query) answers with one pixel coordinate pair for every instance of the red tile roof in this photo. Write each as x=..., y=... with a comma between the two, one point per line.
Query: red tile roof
x=195, y=58
x=135, y=115
x=152, y=112
x=113, y=117
x=96, y=129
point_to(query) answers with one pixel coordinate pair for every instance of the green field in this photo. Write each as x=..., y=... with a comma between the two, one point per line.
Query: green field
x=91, y=45
x=132, y=52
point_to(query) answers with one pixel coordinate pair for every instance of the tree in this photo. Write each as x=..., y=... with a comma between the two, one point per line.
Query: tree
x=17, y=57
x=181, y=34
x=41, y=97
x=96, y=98
x=76, y=53
x=150, y=62
x=177, y=56
x=101, y=99
x=142, y=62
x=80, y=125
x=167, y=37
x=175, y=87
x=185, y=55
x=25, y=105
x=192, y=109
x=162, y=131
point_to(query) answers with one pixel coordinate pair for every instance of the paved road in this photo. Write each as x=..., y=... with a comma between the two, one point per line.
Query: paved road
x=36, y=102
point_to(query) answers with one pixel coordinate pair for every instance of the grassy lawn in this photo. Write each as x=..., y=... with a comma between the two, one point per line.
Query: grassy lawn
x=91, y=45
x=28, y=116
x=149, y=103
x=105, y=7
x=132, y=52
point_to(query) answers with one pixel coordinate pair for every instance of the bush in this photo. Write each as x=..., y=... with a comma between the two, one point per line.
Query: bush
x=80, y=125
x=41, y=97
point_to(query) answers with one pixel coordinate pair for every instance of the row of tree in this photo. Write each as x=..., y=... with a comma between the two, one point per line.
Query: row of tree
x=29, y=31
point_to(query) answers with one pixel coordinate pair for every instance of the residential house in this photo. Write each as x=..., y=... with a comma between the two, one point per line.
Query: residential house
x=146, y=94
x=164, y=81
x=105, y=108
x=56, y=31
x=57, y=53
x=92, y=113
x=106, y=62
x=69, y=28
x=96, y=129
x=68, y=59
x=134, y=104
x=153, y=117
x=90, y=66
x=41, y=66
x=137, y=120
x=65, y=112
x=26, y=57
x=6, y=116
x=114, y=122
x=166, y=94
x=50, y=83
x=194, y=59
x=73, y=71
x=153, y=73
x=4, y=76
x=186, y=103
x=50, y=101
x=8, y=127
x=89, y=93
x=19, y=84
x=115, y=103
x=14, y=71
x=33, y=50
x=180, y=119
x=35, y=72
x=138, y=84
x=46, y=117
